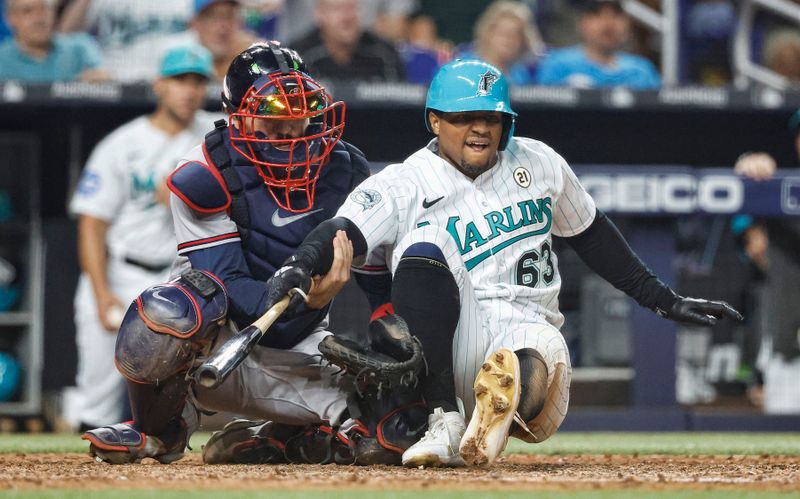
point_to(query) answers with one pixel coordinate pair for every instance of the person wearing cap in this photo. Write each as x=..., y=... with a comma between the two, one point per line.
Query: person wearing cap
x=599, y=61
x=772, y=246
x=218, y=26
x=35, y=53
x=126, y=240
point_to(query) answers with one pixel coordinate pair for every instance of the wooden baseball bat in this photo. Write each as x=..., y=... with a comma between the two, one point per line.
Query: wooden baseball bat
x=226, y=358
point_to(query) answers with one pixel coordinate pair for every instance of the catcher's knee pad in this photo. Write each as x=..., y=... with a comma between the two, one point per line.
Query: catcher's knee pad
x=168, y=325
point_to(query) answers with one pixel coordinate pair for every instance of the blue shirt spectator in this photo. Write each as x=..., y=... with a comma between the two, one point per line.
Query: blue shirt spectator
x=68, y=57
x=599, y=61
x=571, y=66
x=36, y=54
x=421, y=63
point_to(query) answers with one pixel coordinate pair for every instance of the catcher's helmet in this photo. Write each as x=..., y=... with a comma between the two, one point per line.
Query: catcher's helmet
x=269, y=82
x=471, y=85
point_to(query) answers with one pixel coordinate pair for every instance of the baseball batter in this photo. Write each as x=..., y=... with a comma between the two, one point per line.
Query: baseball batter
x=126, y=239
x=465, y=225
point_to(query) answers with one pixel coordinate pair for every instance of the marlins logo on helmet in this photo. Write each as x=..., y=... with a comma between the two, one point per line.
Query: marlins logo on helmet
x=487, y=80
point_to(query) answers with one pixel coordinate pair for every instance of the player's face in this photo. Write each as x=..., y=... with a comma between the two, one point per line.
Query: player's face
x=469, y=140
x=181, y=96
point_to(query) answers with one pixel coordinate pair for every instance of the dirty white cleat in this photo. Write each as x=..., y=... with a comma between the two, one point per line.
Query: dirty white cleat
x=497, y=392
x=439, y=445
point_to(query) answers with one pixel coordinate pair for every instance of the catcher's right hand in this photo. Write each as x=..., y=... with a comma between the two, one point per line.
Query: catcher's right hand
x=292, y=280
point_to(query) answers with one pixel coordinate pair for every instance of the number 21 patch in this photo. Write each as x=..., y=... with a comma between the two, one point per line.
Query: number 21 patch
x=522, y=177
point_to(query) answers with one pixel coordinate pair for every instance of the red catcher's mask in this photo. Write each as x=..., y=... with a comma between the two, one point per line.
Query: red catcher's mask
x=287, y=127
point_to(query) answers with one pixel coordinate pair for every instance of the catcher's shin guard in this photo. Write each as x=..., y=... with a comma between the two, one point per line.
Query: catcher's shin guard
x=497, y=394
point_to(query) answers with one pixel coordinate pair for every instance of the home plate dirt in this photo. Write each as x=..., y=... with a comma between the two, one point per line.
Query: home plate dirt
x=514, y=472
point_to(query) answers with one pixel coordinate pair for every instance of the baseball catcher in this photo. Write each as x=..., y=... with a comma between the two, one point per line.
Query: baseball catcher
x=242, y=202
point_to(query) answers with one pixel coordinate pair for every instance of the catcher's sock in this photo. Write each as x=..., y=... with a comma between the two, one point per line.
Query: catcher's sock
x=533, y=383
x=154, y=406
x=425, y=294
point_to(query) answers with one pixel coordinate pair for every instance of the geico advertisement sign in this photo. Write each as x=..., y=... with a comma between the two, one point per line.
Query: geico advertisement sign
x=672, y=193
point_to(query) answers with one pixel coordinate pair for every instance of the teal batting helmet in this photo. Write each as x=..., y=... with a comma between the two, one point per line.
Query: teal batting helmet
x=471, y=85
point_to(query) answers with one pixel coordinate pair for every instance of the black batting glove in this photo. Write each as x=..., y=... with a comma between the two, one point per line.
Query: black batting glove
x=699, y=312
x=292, y=280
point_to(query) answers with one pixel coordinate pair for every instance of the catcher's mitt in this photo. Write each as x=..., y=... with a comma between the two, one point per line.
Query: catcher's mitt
x=394, y=358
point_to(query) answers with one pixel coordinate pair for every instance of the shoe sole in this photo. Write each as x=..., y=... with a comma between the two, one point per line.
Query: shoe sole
x=433, y=461
x=497, y=393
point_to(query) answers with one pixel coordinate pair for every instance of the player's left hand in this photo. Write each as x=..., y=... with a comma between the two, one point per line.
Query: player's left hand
x=701, y=312
x=327, y=286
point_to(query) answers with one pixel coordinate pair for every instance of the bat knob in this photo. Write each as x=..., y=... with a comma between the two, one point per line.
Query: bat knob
x=208, y=376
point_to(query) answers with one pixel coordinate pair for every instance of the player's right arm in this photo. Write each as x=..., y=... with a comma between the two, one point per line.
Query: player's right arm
x=96, y=201
x=93, y=260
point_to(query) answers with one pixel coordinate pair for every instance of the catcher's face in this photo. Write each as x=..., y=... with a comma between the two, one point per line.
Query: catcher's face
x=274, y=129
x=468, y=140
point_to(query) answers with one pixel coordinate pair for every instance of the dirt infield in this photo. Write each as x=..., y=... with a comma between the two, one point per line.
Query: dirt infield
x=515, y=472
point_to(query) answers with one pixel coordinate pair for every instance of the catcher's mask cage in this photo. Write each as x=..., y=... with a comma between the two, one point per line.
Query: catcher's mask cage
x=289, y=166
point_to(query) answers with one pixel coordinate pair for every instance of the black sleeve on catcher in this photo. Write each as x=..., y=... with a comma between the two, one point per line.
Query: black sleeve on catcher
x=605, y=251
x=315, y=254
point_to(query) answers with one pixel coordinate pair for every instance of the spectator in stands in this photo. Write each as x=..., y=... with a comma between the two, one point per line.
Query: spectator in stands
x=386, y=18
x=455, y=21
x=131, y=33
x=506, y=37
x=421, y=50
x=782, y=54
x=218, y=25
x=35, y=53
x=599, y=61
x=341, y=49
x=773, y=245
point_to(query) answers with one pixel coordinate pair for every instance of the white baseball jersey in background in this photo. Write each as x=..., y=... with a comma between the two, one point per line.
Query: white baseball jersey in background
x=496, y=234
x=118, y=185
x=134, y=33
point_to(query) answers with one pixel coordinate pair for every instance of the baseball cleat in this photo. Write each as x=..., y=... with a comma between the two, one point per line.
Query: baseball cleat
x=439, y=445
x=497, y=393
x=244, y=442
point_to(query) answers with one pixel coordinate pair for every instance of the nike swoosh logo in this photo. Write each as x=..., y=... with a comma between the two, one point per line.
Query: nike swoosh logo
x=414, y=432
x=279, y=221
x=427, y=204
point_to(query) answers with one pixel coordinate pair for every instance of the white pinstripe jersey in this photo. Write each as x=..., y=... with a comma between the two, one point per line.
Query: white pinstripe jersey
x=502, y=221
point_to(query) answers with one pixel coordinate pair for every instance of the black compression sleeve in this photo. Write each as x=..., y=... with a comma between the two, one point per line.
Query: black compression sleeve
x=315, y=254
x=605, y=251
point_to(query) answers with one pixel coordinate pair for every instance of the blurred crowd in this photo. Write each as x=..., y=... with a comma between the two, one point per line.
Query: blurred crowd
x=581, y=43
